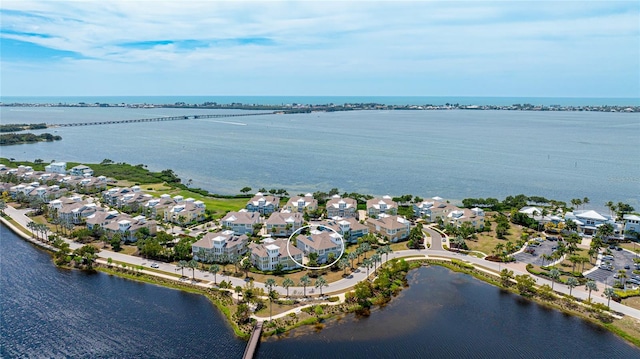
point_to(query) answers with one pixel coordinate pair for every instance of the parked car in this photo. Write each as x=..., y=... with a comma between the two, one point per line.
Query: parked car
x=619, y=248
x=627, y=267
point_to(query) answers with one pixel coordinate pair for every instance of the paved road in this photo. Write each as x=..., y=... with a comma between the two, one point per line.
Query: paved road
x=361, y=273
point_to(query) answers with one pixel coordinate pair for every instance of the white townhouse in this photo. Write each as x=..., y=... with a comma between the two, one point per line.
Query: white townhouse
x=433, y=209
x=631, y=225
x=266, y=256
x=220, y=246
x=322, y=243
x=242, y=222
x=349, y=228
x=56, y=167
x=302, y=204
x=262, y=204
x=342, y=207
x=283, y=224
x=377, y=206
x=393, y=228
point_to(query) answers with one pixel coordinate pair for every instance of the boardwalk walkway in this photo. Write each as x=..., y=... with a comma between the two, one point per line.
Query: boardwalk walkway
x=158, y=119
x=254, y=340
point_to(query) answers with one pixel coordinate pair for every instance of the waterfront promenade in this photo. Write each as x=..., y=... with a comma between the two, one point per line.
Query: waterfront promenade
x=436, y=251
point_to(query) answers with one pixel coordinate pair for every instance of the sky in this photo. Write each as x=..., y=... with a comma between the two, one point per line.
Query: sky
x=320, y=48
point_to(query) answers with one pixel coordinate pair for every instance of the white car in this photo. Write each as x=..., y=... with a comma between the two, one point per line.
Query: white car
x=155, y=265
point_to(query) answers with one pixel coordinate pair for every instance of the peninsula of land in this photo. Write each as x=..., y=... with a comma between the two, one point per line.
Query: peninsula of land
x=151, y=227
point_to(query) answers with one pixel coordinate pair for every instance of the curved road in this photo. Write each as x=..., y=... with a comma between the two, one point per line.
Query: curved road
x=436, y=251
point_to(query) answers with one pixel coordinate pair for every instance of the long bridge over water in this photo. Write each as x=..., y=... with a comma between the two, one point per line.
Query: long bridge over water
x=159, y=119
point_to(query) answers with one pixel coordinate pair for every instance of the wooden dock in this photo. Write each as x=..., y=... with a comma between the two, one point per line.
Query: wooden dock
x=254, y=340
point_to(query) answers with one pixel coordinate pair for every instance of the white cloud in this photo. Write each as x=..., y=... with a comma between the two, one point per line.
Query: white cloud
x=337, y=41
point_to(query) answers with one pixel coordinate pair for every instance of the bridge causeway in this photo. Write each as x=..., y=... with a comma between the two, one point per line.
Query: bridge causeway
x=158, y=119
x=254, y=340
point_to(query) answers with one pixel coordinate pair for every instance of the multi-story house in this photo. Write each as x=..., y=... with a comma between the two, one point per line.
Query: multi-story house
x=267, y=255
x=283, y=224
x=377, y=206
x=73, y=210
x=185, y=211
x=322, y=243
x=475, y=216
x=433, y=209
x=242, y=222
x=349, y=228
x=588, y=221
x=81, y=170
x=128, y=226
x=302, y=204
x=262, y=204
x=342, y=207
x=157, y=206
x=56, y=167
x=220, y=246
x=393, y=228
x=631, y=225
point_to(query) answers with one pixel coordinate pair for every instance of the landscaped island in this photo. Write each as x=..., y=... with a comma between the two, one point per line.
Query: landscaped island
x=151, y=227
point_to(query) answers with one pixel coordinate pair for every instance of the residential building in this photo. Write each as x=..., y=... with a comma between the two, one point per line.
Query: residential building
x=262, y=204
x=283, y=224
x=73, y=209
x=393, y=228
x=185, y=211
x=588, y=221
x=433, y=209
x=128, y=226
x=631, y=225
x=266, y=256
x=56, y=167
x=475, y=216
x=349, y=228
x=302, y=204
x=220, y=246
x=242, y=222
x=322, y=243
x=157, y=206
x=342, y=207
x=81, y=170
x=386, y=205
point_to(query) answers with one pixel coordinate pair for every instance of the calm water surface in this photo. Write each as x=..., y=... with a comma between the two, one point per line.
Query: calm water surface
x=451, y=315
x=52, y=313
x=452, y=154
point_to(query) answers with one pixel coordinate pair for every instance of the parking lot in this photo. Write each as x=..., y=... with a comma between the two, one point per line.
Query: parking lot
x=621, y=259
x=545, y=247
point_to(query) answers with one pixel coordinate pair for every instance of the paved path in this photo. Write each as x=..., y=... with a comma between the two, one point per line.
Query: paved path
x=360, y=273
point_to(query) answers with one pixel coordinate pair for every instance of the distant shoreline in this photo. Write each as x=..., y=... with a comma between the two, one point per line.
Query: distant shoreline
x=333, y=107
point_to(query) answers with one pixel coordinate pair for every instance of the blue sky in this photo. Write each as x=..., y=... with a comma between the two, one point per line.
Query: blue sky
x=341, y=48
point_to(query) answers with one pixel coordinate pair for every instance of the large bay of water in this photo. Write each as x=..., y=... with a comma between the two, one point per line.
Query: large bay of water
x=452, y=154
x=53, y=313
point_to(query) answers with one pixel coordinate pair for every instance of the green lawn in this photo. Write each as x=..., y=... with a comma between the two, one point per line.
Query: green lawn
x=487, y=241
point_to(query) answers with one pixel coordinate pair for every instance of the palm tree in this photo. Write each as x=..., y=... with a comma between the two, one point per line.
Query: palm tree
x=554, y=274
x=351, y=257
x=622, y=275
x=611, y=207
x=30, y=226
x=585, y=200
x=304, y=282
x=273, y=295
x=343, y=263
x=286, y=283
x=269, y=284
x=214, y=269
x=320, y=282
x=181, y=265
x=367, y=263
x=365, y=248
x=609, y=292
x=193, y=264
x=386, y=250
x=376, y=258
x=572, y=283
x=591, y=285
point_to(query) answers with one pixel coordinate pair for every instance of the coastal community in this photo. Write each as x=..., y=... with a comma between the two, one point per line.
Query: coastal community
x=277, y=234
